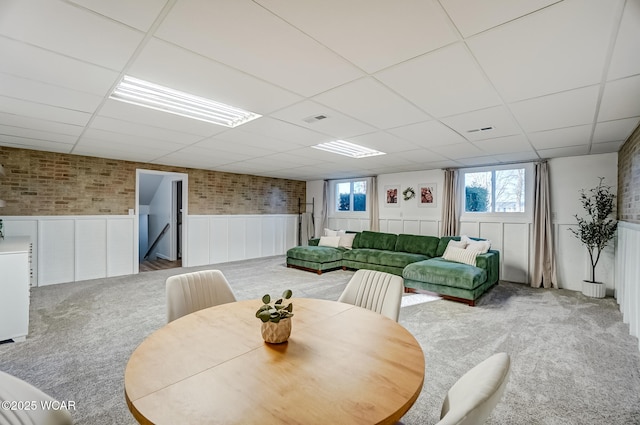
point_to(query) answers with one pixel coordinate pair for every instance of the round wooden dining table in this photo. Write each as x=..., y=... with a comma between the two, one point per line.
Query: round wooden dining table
x=342, y=365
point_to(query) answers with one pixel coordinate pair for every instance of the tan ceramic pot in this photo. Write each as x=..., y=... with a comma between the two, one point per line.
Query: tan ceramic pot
x=276, y=333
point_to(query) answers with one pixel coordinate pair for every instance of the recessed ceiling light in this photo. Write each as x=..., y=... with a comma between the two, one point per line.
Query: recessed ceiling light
x=347, y=149
x=150, y=95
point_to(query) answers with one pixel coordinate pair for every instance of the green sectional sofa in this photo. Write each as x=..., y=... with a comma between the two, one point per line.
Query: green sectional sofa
x=418, y=259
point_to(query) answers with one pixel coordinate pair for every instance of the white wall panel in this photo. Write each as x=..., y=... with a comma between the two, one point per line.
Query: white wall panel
x=570, y=259
x=253, y=236
x=470, y=228
x=514, y=250
x=237, y=238
x=395, y=226
x=56, y=251
x=91, y=249
x=198, y=239
x=121, y=253
x=218, y=235
x=291, y=232
x=628, y=275
x=268, y=236
x=429, y=228
x=280, y=235
x=411, y=227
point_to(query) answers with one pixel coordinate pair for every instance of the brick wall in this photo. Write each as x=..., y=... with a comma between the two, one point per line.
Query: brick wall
x=46, y=183
x=629, y=179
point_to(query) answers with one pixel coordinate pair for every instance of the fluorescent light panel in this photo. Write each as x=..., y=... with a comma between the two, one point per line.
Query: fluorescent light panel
x=143, y=93
x=352, y=150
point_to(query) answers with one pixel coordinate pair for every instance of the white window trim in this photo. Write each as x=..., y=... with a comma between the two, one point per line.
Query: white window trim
x=348, y=214
x=524, y=217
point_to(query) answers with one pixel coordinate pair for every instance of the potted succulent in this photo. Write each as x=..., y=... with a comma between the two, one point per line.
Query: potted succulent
x=596, y=230
x=276, y=318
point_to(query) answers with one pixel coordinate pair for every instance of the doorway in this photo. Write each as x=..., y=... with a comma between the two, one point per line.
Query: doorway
x=160, y=211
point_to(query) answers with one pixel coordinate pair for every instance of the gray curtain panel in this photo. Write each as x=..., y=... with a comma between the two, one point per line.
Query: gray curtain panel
x=374, y=214
x=544, y=260
x=450, y=204
x=325, y=208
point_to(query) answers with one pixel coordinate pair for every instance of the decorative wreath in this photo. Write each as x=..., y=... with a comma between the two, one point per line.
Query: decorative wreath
x=408, y=193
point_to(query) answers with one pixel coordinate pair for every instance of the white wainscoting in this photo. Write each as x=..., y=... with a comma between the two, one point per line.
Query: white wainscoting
x=627, y=270
x=72, y=248
x=219, y=238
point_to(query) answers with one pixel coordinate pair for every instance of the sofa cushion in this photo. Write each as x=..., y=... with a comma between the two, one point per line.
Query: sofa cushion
x=318, y=254
x=417, y=244
x=442, y=245
x=375, y=240
x=382, y=257
x=442, y=272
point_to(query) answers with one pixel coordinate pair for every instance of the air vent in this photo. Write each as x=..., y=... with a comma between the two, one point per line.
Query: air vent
x=314, y=118
x=474, y=130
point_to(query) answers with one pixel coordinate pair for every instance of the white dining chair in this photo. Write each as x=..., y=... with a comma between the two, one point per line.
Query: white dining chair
x=473, y=397
x=15, y=390
x=190, y=292
x=377, y=291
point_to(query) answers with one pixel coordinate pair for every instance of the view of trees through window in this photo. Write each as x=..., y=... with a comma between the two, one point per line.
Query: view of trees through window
x=495, y=191
x=351, y=196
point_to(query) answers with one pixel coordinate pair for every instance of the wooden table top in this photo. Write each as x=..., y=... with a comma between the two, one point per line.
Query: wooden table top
x=341, y=365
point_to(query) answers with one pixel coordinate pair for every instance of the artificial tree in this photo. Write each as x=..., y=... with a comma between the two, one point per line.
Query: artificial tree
x=598, y=227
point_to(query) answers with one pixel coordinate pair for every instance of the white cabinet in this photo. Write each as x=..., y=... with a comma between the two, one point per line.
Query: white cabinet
x=15, y=268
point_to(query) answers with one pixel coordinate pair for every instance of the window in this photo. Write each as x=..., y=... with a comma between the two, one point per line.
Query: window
x=495, y=191
x=351, y=196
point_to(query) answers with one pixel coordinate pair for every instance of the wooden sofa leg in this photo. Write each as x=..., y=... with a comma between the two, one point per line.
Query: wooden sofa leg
x=319, y=272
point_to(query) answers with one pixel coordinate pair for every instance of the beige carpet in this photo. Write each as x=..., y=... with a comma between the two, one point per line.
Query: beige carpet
x=573, y=361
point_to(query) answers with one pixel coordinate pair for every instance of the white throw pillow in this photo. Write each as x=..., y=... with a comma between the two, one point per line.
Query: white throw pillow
x=346, y=240
x=332, y=241
x=473, y=245
x=460, y=255
x=329, y=232
x=457, y=244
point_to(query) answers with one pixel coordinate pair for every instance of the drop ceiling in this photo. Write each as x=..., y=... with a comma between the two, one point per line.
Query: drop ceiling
x=416, y=79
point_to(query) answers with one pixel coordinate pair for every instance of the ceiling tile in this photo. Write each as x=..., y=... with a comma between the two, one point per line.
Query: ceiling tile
x=39, y=124
x=124, y=152
x=421, y=156
x=445, y=82
x=542, y=113
x=251, y=141
x=517, y=157
x=373, y=34
x=458, y=151
x=230, y=142
x=497, y=121
x=502, y=145
x=370, y=101
x=611, y=131
x=139, y=14
x=478, y=161
x=70, y=30
x=562, y=152
x=174, y=67
x=34, y=63
x=145, y=116
x=47, y=94
x=135, y=142
x=284, y=131
x=45, y=112
x=524, y=61
x=607, y=147
x=28, y=133
x=472, y=17
x=561, y=137
x=624, y=64
x=620, y=99
x=428, y=134
x=267, y=47
x=383, y=142
x=35, y=144
x=134, y=129
x=336, y=124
